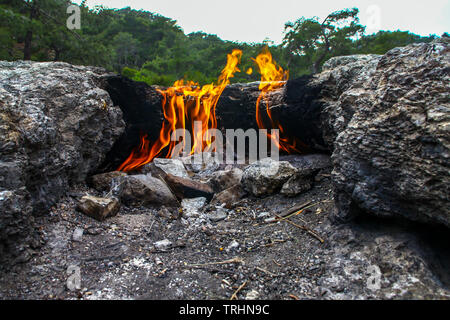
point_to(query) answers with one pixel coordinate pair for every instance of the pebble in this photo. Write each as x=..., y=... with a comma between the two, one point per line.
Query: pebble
x=163, y=244
x=219, y=215
x=77, y=234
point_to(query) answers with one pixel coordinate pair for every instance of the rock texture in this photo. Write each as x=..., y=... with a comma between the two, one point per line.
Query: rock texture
x=266, y=176
x=56, y=125
x=392, y=158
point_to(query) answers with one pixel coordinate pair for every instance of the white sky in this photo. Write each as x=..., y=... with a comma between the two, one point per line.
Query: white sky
x=255, y=20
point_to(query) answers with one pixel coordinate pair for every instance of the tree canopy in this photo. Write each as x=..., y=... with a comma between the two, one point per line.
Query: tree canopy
x=148, y=47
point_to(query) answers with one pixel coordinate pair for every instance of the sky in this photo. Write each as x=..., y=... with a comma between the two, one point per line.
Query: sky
x=256, y=20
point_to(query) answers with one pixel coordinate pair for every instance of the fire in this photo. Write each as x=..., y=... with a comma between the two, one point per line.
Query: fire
x=185, y=103
x=273, y=78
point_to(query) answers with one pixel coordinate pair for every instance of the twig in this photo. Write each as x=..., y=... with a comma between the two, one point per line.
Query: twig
x=265, y=271
x=234, y=296
x=234, y=260
x=287, y=213
x=311, y=232
x=294, y=297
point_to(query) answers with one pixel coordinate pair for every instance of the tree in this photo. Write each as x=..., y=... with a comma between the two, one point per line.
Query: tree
x=317, y=41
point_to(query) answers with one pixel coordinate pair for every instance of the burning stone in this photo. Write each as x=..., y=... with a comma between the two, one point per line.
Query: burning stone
x=99, y=208
x=266, y=176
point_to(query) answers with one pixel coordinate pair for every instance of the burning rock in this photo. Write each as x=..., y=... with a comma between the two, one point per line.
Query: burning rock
x=266, y=176
x=147, y=191
x=99, y=208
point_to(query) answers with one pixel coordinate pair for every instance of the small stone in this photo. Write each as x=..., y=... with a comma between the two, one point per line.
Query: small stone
x=191, y=207
x=219, y=215
x=163, y=245
x=98, y=208
x=77, y=234
x=233, y=245
x=252, y=295
x=263, y=215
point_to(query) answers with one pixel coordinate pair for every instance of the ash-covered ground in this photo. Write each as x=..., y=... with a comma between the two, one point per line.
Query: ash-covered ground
x=146, y=253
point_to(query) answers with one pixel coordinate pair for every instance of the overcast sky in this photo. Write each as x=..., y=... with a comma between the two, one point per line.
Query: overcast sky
x=255, y=20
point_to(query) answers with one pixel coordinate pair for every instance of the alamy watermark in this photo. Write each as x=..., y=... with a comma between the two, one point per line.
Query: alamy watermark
x=74, y=20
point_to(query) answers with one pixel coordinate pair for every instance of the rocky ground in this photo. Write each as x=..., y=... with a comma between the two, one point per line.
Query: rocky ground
x=213, y=253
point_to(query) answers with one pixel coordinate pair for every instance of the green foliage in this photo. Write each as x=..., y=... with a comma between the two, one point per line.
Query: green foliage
x=148, y=47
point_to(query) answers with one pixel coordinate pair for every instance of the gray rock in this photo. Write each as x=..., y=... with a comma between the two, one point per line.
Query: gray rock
x=224, y=179
x=266, y=176
x=162, y=167
x=392, y=159
x=146, y=190
x=202, y=163
x=56, y=126
x=98, y=208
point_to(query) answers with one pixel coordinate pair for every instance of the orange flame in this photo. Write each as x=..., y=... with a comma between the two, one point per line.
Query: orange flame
x=185, y=102
x=273, y=78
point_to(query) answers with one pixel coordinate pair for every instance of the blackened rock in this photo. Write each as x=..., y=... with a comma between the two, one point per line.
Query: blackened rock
x=187, y=188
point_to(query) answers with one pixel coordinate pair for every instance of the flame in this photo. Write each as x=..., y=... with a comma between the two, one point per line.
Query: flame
x=273, y=78
x=185, y=102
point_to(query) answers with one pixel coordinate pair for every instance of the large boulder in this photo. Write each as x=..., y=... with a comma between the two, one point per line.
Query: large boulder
x=392, y=158
x=56, y=125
